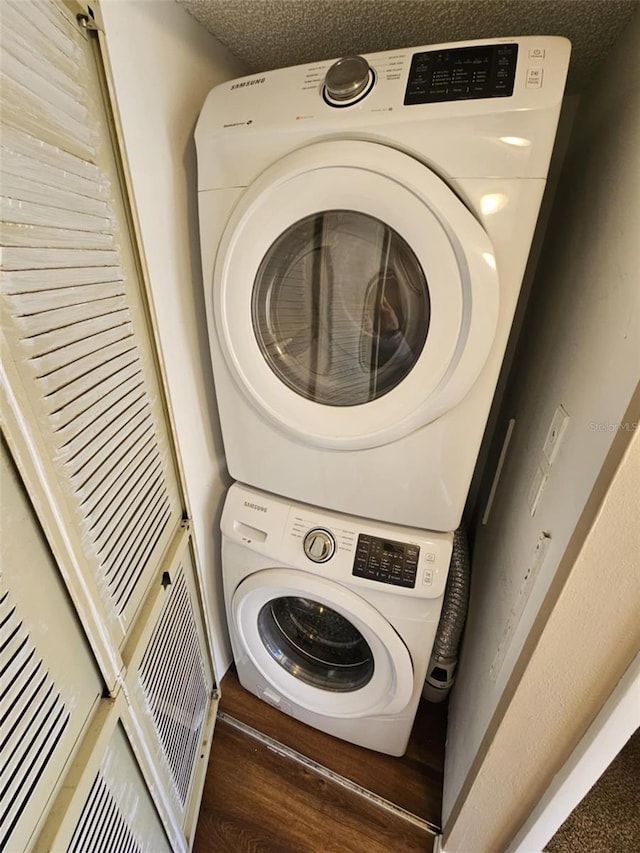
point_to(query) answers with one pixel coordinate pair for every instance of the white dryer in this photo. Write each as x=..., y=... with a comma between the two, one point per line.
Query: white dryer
x=365, y=226
x=332, y=618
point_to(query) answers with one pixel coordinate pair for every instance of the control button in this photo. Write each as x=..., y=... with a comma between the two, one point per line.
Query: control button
x=534, y=78
x=430, y=558
x=537, y=53
x=427, y=578
x=319, y=545
x=348, y=80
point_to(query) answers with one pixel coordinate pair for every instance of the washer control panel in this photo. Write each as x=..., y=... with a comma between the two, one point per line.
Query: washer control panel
x=456, y=74
x=319, y=545
x=386, y=560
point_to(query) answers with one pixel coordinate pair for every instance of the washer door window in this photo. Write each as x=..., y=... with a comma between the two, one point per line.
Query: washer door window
x=320, y=645
x=341, y=308
x=355, y=296
x=316, y=644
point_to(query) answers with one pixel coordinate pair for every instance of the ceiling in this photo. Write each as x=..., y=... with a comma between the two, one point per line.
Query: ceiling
x=269, y=34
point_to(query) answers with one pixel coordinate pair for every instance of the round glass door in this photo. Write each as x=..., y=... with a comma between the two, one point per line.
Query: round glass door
x=315, y=644
x=341, y=308
x=355, y=297
x=321, y=645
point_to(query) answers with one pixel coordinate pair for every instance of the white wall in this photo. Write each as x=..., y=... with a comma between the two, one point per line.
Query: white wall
x=580, y=348
x=164, y=63
x=605, y=738
x=590, y=640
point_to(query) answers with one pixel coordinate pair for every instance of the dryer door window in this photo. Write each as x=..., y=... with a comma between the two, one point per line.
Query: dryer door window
x=315, y=644
x=341, y=308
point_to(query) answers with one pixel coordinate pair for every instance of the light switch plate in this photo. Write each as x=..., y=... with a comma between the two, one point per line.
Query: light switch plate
x=555, y=434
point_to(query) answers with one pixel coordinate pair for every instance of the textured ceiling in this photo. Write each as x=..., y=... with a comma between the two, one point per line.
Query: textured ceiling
x=269, y=34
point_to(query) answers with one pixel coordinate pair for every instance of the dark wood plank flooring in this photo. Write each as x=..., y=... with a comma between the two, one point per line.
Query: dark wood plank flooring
x=256, y=799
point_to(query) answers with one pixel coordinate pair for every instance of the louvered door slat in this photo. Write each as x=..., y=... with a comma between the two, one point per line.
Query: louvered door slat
x=17, y=282
x=27, y=84
x=51, y=48
x=113, y=477
x=88, y=375
x=38, y=192
x=23, y=158
x=86, y=455
x=81, y=357
x=83, y=429
x=66, y=322
x=141, y=499
x=109, y=527
x=36, y=19
x=101, y=506
x=72, y=316
x=21, y=235
x=29, y=213
x=139, y=537
x=19, y=143
x=85, y=388
x=31, y=303
x=76, y=339
x=38, y=78
x=44, y=100
x=68, y=261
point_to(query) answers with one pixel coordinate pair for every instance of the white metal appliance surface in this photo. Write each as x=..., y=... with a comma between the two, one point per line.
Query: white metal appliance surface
x=332, y=618
x=365, y=227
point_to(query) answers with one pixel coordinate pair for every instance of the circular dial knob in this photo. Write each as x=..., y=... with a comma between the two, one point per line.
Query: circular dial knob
x=347, y=78
x=319, y=545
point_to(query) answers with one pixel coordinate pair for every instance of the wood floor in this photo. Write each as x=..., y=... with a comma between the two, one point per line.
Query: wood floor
x=275, y=785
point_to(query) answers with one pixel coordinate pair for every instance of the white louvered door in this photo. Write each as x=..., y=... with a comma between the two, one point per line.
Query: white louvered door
x=77, y=357
x=85, y=419
x=45, y=702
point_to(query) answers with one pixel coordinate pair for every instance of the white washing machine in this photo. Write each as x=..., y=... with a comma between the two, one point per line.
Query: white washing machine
x=332, y=618
x=365, y=226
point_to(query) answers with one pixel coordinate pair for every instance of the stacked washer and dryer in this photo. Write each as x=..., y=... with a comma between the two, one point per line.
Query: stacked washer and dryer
x=365, y=225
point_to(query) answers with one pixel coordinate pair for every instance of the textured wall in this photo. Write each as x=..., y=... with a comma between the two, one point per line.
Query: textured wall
x=270, y=34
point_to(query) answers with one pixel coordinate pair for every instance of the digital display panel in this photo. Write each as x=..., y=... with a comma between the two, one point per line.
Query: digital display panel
x=484, y=71
x=386, y=561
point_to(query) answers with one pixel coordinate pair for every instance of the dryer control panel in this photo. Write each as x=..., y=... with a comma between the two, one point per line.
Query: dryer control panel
x=456, y=74
x=386, y=560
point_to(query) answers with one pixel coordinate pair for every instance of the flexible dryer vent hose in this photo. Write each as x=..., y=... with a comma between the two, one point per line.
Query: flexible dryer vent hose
x=444, y=655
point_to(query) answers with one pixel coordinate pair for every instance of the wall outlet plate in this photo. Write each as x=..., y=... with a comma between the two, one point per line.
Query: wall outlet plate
x=557, y=429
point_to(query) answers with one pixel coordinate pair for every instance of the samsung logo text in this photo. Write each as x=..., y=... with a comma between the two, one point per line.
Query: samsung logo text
x=244, y=83
x=255, y=506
